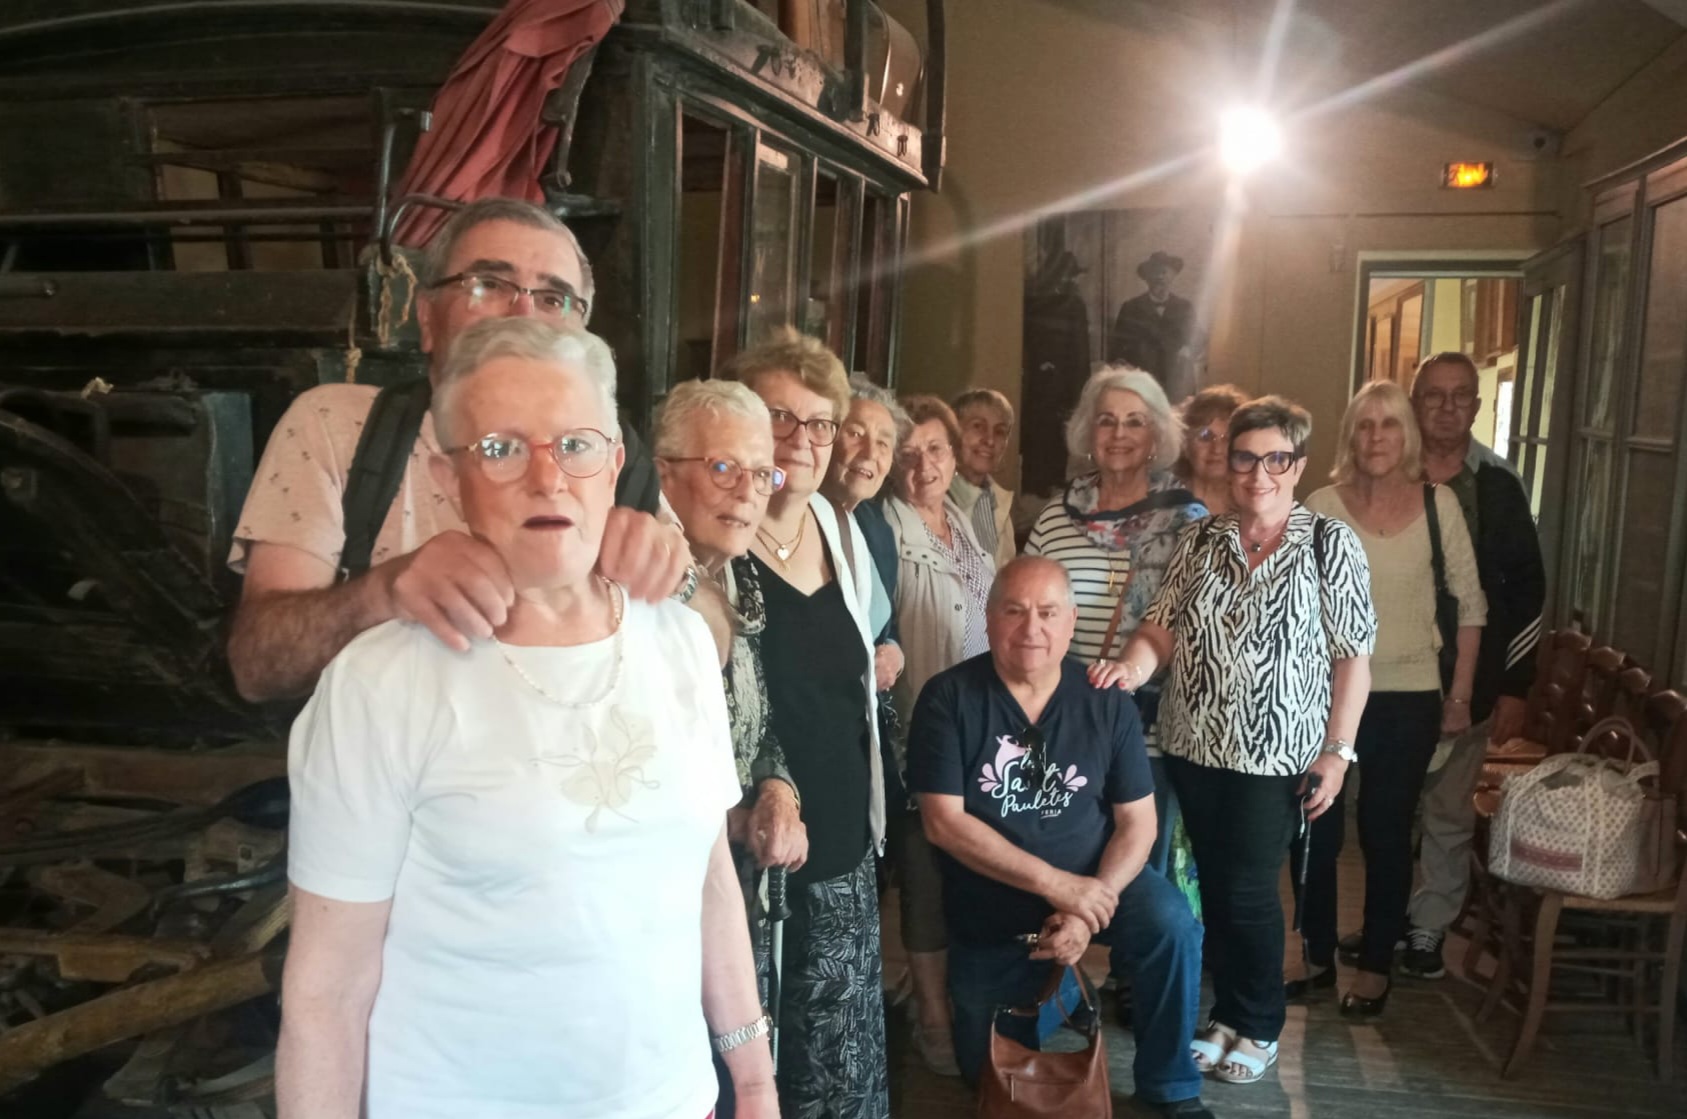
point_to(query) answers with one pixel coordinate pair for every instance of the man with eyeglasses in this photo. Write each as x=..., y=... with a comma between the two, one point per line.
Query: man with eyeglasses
x=306, y=592
x=1445, y=396
x=1035, y=788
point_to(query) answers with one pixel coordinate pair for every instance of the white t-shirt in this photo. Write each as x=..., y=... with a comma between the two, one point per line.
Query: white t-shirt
x=545, y=864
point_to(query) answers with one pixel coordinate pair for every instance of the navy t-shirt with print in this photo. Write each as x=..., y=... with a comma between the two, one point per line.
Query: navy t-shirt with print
x=964, y=740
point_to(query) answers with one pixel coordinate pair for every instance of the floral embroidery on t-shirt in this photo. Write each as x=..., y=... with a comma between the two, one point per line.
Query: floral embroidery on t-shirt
x=1009, y=780
x=608, y=771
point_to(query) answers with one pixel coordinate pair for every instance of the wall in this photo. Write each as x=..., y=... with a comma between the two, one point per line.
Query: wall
x=1049, y=98
x=1646, y=113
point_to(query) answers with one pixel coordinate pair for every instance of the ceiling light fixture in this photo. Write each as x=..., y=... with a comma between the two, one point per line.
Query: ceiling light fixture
x=1248, y=138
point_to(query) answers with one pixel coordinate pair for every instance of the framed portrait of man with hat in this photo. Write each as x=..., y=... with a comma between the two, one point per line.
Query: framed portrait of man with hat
x=1154, y=330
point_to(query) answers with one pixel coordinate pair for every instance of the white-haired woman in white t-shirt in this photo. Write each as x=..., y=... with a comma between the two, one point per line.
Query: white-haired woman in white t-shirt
x=512, y=890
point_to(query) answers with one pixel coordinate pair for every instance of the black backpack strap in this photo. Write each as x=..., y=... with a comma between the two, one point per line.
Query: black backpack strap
x=1320, y=533
x=377, y=467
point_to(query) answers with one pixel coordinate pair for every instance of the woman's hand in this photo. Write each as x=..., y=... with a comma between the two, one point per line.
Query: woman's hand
x=777, y=836
x=1330, y=770
x=887, y=665
x=1455, y=716
x=756, y=1101
x=1127, y=675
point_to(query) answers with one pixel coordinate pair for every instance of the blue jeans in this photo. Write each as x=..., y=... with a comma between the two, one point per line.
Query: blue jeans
x=1155, y=941
x=1165, y=813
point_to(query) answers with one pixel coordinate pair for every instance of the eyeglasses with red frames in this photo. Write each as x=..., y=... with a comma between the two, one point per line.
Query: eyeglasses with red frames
x=580, y=453
x=726, y=474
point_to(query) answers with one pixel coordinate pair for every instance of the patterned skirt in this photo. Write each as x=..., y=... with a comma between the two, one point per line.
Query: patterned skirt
x=832, y=1062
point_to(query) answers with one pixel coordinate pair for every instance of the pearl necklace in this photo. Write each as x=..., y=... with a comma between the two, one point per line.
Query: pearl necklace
x=616, y=597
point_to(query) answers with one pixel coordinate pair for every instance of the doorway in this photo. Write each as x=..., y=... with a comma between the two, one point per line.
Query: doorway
x=1410, y=309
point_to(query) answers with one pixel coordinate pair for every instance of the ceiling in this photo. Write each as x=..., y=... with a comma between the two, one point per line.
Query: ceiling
x=1544, y=62
x=1559, y=60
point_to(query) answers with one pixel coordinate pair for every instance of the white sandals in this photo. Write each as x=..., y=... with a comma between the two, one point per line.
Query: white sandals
x=1215, y=1052
x=1210, y=1048
x=1251, y=1068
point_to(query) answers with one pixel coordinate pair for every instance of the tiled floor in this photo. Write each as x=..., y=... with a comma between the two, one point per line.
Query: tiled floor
x=1427, y=1056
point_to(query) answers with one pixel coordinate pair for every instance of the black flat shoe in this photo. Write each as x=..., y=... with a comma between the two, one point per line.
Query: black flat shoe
x=1296, y=989
x=1357, y=1006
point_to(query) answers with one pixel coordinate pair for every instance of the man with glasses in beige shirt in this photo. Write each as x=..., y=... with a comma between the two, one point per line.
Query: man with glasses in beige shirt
x=304, y=598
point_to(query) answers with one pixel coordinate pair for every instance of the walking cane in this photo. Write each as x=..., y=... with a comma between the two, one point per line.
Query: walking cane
x=1313, y=780
x=777, y=912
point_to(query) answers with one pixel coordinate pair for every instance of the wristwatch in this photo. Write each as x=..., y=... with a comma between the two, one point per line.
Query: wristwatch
x=688, y=585
x=743, y=1035
x=1342, y=749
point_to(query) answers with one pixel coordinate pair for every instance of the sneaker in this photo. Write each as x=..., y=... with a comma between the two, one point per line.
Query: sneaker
x=1422, y=959
x=1191, y=1108
x=937, y=1050
x=1347, y=948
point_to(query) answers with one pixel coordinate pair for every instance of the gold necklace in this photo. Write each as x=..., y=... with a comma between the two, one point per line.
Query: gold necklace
x=783, y=551
x=615, y=599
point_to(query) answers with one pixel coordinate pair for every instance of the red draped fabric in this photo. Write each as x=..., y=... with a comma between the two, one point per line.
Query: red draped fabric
x=487, y=139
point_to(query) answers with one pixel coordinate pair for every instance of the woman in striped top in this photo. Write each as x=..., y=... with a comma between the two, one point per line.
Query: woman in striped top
x=1114, y=530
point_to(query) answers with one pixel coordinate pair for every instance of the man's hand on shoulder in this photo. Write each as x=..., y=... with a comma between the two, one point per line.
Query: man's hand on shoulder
x=454, y=584
x=645, y=555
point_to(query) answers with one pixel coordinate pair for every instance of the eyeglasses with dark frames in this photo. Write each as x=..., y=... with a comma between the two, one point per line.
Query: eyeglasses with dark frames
x=726, y=474
x=580, y=453
x=483, y=290
x=1276, y=462
x=821, y=431
x=1458, y=399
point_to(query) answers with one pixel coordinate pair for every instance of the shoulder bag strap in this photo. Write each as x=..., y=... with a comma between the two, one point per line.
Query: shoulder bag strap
x=1437, y=558
x=377, y=468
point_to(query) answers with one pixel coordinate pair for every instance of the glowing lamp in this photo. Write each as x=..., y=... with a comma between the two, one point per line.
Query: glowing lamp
x=1248, y=138
x=1467, y=176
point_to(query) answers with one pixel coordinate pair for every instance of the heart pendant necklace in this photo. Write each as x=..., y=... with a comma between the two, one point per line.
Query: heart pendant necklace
x=780, y=549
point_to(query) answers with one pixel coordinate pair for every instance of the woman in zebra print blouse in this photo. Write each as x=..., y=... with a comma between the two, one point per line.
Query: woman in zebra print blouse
x=1265, y=616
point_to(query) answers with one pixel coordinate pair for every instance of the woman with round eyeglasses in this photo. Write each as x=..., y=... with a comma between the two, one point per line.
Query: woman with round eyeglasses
x=1265, y=619
x=509, y=863
x=1204, y=465
x=816, y=579
x=942, y=587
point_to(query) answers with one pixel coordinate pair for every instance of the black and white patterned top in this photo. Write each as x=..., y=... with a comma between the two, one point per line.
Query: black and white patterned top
x=1251, y=670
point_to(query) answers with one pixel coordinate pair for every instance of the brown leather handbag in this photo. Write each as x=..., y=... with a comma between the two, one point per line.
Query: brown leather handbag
x=1021, y=1083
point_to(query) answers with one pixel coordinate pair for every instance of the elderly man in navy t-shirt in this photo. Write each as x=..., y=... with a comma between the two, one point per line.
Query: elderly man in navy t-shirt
x=1035, y=787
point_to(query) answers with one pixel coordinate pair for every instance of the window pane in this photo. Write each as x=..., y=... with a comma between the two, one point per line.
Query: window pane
x=1610, y=312
x=1661, y=364
x=774, y=230
x=1591, y=546
x=1645, y=539
x=1526, y=379
x=1549, y=368
x=705, y=156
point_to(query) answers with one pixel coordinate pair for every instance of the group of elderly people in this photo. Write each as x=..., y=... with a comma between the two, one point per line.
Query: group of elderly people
x=521, y=832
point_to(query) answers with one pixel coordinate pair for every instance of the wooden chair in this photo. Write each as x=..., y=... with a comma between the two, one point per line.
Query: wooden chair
x=1633, y=944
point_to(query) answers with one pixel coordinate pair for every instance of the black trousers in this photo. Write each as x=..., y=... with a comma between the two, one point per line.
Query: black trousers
x=1239, y=825
x=1397, y=737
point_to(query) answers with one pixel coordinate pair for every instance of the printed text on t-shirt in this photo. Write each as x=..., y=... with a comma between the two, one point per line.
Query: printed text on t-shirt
x=1010, y=780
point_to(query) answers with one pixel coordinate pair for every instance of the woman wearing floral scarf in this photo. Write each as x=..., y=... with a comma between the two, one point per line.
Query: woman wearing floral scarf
x=1114, y=530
